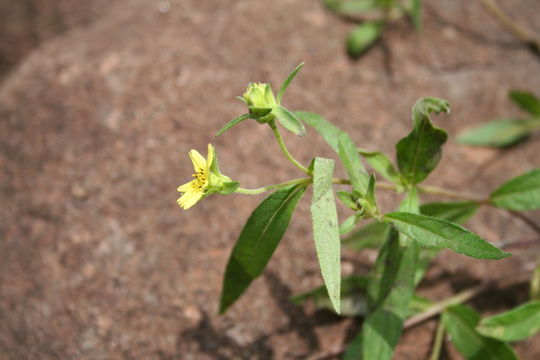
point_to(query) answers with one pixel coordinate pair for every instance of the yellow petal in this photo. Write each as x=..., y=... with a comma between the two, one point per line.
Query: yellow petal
x=198, y=161
x=186, y=187
x=210, y=157
x=189, y=199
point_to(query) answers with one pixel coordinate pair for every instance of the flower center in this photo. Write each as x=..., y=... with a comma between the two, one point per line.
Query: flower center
x=201, y=180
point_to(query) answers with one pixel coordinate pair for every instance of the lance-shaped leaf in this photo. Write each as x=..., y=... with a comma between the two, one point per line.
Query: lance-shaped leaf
x=258, y=240
x=289, y=121
x=232, y=123
x=460, y=322
x=514, y=325
x=382, y=164
x=520, y=193
x=329, y=132
x=372, y=235
x=325, y=228
x=287, y=82
x=499, y=133
x=362, y=37
x=351, y=161
x=343, y=145
x=390, y=290
x=349, y=224
x=525, y=100
x=457, y=212
x=435, y=232
x=418, y=153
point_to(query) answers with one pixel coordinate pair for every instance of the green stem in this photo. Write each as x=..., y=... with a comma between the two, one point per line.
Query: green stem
x=439, y=307
x=274, y=186
x=284, y=148
x=424, y=189
x=437, y=343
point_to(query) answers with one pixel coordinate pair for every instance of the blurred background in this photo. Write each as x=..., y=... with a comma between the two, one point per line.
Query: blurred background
x=100, y=101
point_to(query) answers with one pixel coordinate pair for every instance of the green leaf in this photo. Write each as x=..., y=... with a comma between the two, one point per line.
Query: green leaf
x=371, y=235
x=416, y=13
x=232, y=123
x=525, y=100
x=418, y=153
x=424, y=260
x=514, y=325
x=499, y=133
x=460, y=322
x=257, y=241
x=351, y=161
x=348, y=225
x=520, y=193
x=435, y=232
x=342, y=144
x=287, y=82
x=350, y=7
x=362, y=37
x=457, y=212
x=411, y=202
x=390, y=289
x=289, y=121
x=353, y=296
x=347, y=199
x=325, y=228
x=370, y=194
x=382, y=164
x=329, y=132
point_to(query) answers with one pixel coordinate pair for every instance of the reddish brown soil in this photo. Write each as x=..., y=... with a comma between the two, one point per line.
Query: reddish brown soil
x=96, y=259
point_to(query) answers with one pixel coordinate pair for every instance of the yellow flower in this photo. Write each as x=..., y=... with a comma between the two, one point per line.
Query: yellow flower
x=197, y=189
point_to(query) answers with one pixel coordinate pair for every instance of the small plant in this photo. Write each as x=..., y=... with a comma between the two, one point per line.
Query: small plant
x=507, y=131
x=374, y=16
x=408, y=238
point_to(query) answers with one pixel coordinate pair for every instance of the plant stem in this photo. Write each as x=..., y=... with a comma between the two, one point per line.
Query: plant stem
x=273, y=187
x=437, y=342
x=439, y=307
x=460, y=298
x=522, y=33
x=284, y=148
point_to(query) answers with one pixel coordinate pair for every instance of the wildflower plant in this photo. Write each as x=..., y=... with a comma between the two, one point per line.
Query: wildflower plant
x=408, y=238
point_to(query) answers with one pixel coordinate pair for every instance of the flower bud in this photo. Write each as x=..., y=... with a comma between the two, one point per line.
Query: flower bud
x=259, y=95
x=261, y=101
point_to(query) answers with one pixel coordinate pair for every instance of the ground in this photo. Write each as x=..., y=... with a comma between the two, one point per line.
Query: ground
x=97, y=261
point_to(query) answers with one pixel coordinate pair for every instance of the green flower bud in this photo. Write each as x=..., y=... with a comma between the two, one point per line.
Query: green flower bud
x=260, y=96
x=261, y=102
